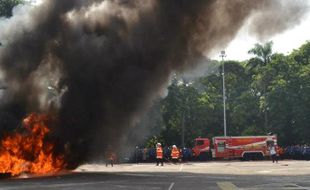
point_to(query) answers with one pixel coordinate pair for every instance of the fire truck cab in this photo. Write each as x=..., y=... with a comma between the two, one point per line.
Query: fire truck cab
x=244, y=147
x=202, y=150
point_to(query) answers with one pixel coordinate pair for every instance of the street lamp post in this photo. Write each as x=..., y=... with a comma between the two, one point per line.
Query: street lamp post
x=183, y=130
x=222, y=55
x=184, y=115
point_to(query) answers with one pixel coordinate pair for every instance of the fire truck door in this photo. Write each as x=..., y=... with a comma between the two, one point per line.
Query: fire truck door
x=221, y=149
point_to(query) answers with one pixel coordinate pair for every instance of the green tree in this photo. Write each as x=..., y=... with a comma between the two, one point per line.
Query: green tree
x=302, y=55
x=210, y=112
x=285, y=84
x=6, y=7
x=179, y=111
x=263, y=55
x=242, y=106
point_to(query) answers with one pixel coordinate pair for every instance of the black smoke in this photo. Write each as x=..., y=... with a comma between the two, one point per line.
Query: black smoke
x=97, y=65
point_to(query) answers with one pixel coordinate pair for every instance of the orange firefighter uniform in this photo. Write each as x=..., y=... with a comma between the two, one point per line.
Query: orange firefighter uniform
x=159, y=154
x=175, y=154
x=110, y=158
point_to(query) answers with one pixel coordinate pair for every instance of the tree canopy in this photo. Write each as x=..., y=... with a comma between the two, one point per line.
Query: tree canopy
x=6, y=7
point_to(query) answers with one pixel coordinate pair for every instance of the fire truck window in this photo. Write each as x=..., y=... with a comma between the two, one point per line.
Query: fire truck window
x=270, y=143
x=221, y=147
x=200, y=142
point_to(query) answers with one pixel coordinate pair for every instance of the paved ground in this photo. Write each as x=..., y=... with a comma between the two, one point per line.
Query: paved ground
x=187, y=176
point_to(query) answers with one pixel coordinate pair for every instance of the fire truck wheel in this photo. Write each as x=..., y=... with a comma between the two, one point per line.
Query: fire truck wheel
x=260, y=156
x=246, y=157
x=252, y=156
x=203, y=156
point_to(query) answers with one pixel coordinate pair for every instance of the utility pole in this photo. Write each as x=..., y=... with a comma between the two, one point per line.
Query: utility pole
x=183, y=130
x=222, y=55
x=185, y=112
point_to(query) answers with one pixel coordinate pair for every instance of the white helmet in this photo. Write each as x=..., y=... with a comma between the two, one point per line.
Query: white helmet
x=173, y=146
x=158, y=144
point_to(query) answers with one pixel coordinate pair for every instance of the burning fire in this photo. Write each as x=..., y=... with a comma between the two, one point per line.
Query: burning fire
x=29, y=151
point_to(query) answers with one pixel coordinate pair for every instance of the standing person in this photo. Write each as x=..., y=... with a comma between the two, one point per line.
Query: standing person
x=175, y=154
x=144, y=155
x=181, y=155
x=159, y=155
x=137, y=154
x=281, y=153
x=110, y=158
x=273, y=153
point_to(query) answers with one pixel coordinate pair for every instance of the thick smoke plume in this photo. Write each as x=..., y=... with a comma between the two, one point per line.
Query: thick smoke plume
x=277, y=17
x=98, y=64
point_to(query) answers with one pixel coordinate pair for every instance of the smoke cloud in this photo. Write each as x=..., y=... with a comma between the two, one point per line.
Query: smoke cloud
x=278, y=16
x=98, y=64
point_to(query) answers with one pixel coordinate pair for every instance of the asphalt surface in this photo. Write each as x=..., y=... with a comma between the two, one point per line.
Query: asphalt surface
x=185, y=177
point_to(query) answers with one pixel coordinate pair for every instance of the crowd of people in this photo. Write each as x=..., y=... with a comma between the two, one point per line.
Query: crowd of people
x=297, y=152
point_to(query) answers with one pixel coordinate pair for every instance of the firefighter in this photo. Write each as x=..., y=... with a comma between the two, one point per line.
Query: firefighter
x=159, y=155
x=281, y=153
x=144, y=154
x=110, y=158
x=175, y=154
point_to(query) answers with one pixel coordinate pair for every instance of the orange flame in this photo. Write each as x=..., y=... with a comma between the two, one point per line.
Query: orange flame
x=29, y=152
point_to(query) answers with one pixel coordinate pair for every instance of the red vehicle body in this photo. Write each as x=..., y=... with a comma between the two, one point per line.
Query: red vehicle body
x=246, y=147
x=202, y=149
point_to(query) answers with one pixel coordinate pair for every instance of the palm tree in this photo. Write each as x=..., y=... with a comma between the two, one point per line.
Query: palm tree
x=263, y=57
x=263, y=54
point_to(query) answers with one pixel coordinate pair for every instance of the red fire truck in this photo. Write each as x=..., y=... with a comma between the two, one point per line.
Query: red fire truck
x=244, y=147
